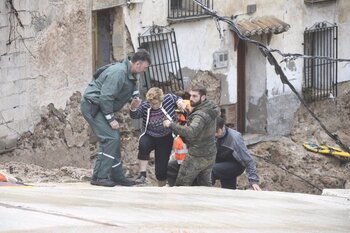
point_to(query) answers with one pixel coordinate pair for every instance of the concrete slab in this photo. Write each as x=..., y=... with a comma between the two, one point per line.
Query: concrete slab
x=337, y=193
x=252, y=139
x=84, y=208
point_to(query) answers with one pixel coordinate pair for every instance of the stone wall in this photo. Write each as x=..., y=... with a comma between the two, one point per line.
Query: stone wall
x=45, y=56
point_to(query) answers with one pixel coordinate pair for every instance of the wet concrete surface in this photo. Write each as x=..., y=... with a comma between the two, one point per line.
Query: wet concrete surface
x=81, y=207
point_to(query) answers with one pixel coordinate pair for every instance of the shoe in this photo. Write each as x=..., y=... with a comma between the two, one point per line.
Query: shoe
x=124, y=182
x=141, y=179
x=103, y=182
x=161, y=183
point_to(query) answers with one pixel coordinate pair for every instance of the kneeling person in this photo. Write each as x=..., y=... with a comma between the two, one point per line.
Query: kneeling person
x=232, y=158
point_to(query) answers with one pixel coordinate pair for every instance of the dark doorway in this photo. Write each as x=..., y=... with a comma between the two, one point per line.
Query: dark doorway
x=102, y=36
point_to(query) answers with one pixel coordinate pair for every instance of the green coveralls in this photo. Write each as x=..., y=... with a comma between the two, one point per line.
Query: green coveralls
x=110, y=91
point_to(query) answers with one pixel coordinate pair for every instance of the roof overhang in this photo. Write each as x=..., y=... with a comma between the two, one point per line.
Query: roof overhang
x=262, y=25
x=265, y=25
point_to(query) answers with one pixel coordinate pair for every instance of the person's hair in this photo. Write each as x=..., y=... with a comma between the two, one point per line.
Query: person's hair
x=220, y=122
x=155, y=93
x=200, y=89
x=141, y=55
x=183, y=94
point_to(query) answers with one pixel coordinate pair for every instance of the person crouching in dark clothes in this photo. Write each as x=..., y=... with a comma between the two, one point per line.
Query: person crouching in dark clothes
x=232, y=158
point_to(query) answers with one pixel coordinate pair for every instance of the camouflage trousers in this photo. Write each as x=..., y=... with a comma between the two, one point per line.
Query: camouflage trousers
x=196, y=168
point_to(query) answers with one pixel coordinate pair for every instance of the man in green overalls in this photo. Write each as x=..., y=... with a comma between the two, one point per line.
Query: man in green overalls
x=112, y=88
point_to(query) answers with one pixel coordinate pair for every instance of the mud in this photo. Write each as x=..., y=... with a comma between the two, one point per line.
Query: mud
x=62, y=149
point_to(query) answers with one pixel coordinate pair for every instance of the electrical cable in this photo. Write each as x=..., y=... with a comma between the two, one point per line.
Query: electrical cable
x=268, y=54
x=286, y=170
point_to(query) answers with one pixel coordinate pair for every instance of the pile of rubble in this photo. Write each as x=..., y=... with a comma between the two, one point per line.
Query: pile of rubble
x=63, y=149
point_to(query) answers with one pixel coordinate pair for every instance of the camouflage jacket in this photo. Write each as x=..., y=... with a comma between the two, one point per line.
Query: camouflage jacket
x=199, y=132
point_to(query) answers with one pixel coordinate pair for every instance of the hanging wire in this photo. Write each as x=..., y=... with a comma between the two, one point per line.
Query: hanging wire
x=286, y=170
x=272, y=60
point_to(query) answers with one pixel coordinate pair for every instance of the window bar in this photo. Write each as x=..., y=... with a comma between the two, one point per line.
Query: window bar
x=170, y=69
x=173, y=59
x=329, y=63
x=318, y=37
x=323, y=78
x=172, y=77
x=325, y=62
x=147, y=71
x=177, y=60
x=163, y=59
x=157, y=72
x=312, y=65
x=336, y=57
x=154, y=75
x=151, y=68
x=162, y=77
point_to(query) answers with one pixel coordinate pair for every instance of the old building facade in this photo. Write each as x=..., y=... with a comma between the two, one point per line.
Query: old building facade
x=50, y=49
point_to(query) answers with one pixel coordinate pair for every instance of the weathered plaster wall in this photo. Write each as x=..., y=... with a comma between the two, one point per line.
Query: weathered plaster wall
x=299, y=16
x=255, y=90
x=196, y=53
x=50, y=57
x=342, y=9
x=43, y=62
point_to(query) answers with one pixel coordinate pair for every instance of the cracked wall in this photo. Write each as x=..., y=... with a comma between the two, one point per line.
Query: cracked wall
x=45, y=56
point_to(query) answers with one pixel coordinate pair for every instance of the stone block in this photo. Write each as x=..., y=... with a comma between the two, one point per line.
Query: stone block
x=8, y=89
x=2, y=6
x=9, y=102
x=14, y=59
x=4, y=20
x=8, y=136
x=28, y=33
x=22, y=5
x=3, y=48
x=11, y=141
x=15, y=73
x=25, y=17
x=42, y=5
x=3, y=73
x=4, y=130
x=103, y=4
x=229, y=112
x=15, y=118
x=4, y=34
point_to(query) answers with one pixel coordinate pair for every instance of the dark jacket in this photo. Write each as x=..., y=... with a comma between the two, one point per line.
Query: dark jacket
x=200, y=130
x=112, y=89
x=143, y=111
x=234, y=141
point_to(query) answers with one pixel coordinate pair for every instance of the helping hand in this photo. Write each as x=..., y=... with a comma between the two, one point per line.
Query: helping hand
x=256, y=187
x=182, y=105
x=114, y=124
x=166, y=123
x=135, y=103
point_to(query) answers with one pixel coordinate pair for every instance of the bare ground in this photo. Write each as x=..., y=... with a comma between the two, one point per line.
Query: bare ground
x=62, y=149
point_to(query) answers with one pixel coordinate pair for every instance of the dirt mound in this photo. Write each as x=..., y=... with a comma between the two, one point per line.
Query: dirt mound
x=62, y=149
x=285, y=165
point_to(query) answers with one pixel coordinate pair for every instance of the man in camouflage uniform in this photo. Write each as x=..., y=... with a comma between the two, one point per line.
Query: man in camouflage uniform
x=112, y=88
x=199, y=136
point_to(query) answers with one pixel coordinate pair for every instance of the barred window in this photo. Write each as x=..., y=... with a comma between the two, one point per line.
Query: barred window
x=182, y=9
x=320, y=75
x=165, y=70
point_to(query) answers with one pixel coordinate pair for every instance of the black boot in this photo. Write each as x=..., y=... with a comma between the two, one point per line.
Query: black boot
x=124, y=182
x=103, y=182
